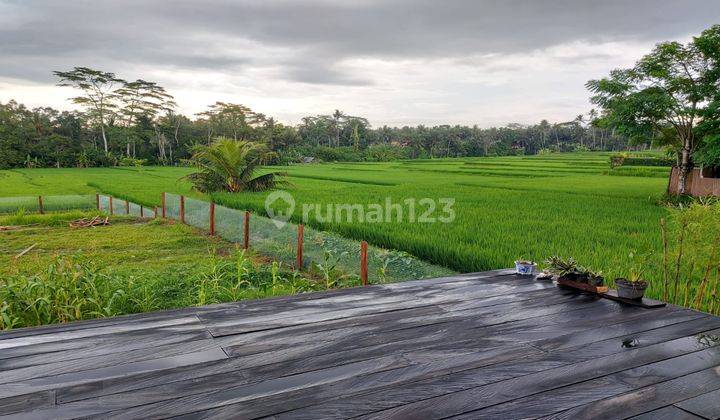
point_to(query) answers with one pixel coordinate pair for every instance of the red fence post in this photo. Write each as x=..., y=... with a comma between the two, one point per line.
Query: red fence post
x=40, y=205
x=97, y=201
x=182, y=208
x=127, y=207
x=363, y=263
x=246, y=231
x=301, y=229
x=212, y=218
x=111, y=206
x=163, y=205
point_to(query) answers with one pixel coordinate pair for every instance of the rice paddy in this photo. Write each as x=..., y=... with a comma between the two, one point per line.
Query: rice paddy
x=506, y=207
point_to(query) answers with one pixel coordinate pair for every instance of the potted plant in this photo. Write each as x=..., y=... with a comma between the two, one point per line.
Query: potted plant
x=632, y=287
x=525, y=267
x=564, y=269
x=595, y=278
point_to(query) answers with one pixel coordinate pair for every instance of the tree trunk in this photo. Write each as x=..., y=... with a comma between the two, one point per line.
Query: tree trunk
x=685, y=168
x=104, y=137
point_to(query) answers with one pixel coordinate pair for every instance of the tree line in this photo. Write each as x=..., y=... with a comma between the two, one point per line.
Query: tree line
x=136, y=122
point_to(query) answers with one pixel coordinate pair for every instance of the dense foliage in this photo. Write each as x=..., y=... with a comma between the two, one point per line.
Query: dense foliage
x=140, y=130
x=670, y=95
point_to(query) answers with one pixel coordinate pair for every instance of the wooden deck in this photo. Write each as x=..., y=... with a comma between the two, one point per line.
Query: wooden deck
x=485, y=345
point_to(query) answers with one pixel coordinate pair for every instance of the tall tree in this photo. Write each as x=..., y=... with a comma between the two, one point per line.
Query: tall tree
x=142, y=98
x=668, y=88
x=98, y=88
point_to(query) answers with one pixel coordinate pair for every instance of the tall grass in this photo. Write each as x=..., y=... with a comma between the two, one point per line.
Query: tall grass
x=73, y=288
x=689, y=273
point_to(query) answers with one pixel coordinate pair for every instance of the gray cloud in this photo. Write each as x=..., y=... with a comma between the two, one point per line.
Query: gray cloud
x=317, y=36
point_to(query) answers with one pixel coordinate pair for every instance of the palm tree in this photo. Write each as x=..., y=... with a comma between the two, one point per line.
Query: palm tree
x=229, y=165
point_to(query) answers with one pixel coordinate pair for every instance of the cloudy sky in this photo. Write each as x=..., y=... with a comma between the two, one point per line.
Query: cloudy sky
x=397, y=62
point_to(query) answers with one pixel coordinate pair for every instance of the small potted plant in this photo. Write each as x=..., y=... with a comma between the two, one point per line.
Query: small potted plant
x=595, y=278
x=525, y=267
x=632, y=287
x=564, y=269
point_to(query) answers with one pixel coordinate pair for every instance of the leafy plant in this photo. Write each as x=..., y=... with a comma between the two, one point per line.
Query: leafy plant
x=560, y=266
x=230, y=165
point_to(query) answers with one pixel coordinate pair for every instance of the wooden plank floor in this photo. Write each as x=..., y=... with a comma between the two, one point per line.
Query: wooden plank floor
x=483, y=345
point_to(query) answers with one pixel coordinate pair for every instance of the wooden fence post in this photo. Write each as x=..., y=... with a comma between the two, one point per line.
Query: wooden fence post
x=40, y=205
x=212, y=218
x=97, y=201
x=127, y=207
x=142, y=215
x=155, y=212
x=301, y=229
x=182, y=208
x=111, y=206
x=363, y=263
x=246, y=231
x=163, y=205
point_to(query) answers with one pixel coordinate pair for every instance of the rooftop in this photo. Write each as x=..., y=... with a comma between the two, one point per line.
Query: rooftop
x=482, y=345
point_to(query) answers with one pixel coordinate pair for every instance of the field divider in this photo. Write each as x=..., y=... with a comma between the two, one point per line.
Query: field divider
x=328, y=254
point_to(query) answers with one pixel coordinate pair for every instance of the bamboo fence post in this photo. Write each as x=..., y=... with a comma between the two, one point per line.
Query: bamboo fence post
x=301, y=230
x=246, y=231
x=163, y=205
x=111, y=206
x=97, y=201
x=40, y=205
x=182, y=208
x=212, y=218
x=142, y=215
x=363, y=263
x=127, y=207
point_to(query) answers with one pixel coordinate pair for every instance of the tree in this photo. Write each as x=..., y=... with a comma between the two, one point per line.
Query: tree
x=230, y=165
x=142, y=98
x=231, y=119
x=668, y=88
x=98, y=93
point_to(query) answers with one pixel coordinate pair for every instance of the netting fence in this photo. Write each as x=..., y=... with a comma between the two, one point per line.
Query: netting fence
x=47, y=203
x=283, y=242
x=116, y=206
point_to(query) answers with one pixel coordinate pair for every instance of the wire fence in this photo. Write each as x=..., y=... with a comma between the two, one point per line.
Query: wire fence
x=294, y=245
x=299, y=246
x=115, y=206
x=47, y=203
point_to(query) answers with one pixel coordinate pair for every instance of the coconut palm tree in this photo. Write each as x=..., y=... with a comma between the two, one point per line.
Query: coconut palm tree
x=229, y=165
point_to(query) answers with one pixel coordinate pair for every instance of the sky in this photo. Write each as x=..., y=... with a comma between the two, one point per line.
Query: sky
x=395, y=62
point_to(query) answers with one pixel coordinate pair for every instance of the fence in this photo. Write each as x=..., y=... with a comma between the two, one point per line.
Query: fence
x=47, y=203
x=299, y=246
x=116, y=206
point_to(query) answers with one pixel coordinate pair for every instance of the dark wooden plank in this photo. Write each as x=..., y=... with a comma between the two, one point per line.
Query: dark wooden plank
x=457, y=394
x=32, y=387
x=110, y=407
x=705, y=405
x=96, y=362
x=644, y=302
x=648, y=398
x=668, y=413
x=587, y=392
x=480, y=345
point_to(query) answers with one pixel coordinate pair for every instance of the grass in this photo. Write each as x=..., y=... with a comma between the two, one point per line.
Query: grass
x=128, y=267
x=507, y=207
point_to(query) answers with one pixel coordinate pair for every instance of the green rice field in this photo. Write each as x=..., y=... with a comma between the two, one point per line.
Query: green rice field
x=506, y=207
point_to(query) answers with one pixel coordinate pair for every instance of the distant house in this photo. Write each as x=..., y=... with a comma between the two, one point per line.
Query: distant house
x=701, y=182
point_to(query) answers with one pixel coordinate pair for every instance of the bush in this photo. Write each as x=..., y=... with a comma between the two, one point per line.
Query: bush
x=129, y=161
